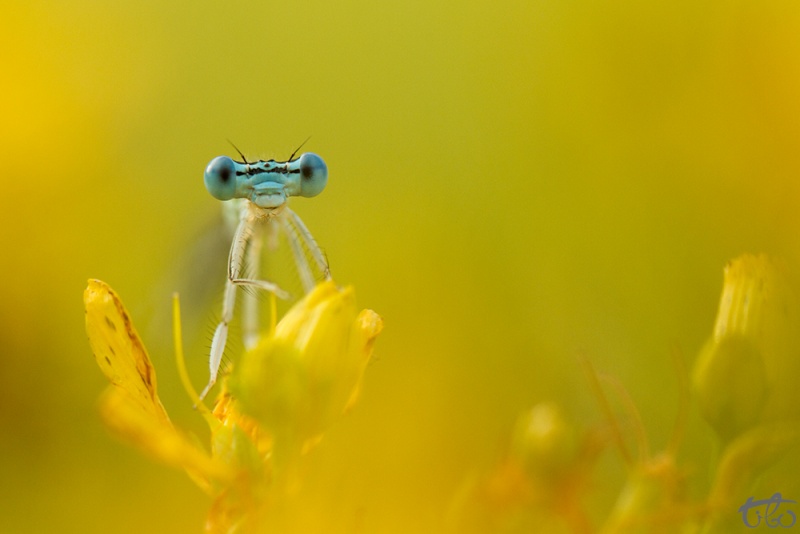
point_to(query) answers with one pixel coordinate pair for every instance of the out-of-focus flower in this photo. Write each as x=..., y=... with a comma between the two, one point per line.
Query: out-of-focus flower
x=653, y=499
x=745, y=381
x=539, y=484
x=746, y=373
x=278, y=402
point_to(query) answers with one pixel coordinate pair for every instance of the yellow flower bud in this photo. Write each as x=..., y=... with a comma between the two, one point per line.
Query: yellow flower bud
x=544, y=442
x=731, y=384
x=309, y=371
x=746, y=372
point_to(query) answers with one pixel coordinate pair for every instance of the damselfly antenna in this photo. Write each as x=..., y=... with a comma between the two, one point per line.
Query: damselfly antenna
x=298, y=148
x=244, y=159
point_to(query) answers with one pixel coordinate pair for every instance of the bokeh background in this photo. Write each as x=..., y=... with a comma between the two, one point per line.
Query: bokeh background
x=512, y=185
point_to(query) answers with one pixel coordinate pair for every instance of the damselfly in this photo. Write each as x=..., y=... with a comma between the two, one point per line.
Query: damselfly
x=261, y=191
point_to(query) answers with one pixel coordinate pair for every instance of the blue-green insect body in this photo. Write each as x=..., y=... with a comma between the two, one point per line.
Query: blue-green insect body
x=261, y=190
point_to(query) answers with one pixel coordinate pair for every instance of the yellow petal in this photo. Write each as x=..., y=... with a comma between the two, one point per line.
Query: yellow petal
x=131, y=407
x=366, y=328
x=157, y=438
x=118, y=349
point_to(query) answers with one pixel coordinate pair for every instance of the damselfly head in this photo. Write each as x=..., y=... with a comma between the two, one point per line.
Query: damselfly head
x=266, y=183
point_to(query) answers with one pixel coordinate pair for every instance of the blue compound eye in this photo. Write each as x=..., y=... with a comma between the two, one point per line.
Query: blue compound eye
x=313, y=175
x=220, y=178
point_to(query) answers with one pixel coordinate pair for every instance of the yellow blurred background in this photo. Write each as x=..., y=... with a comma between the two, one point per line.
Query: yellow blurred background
x=512, y=185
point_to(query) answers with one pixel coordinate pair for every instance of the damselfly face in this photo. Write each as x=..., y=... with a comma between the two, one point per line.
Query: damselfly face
x=267, y=184
x=261, y=190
